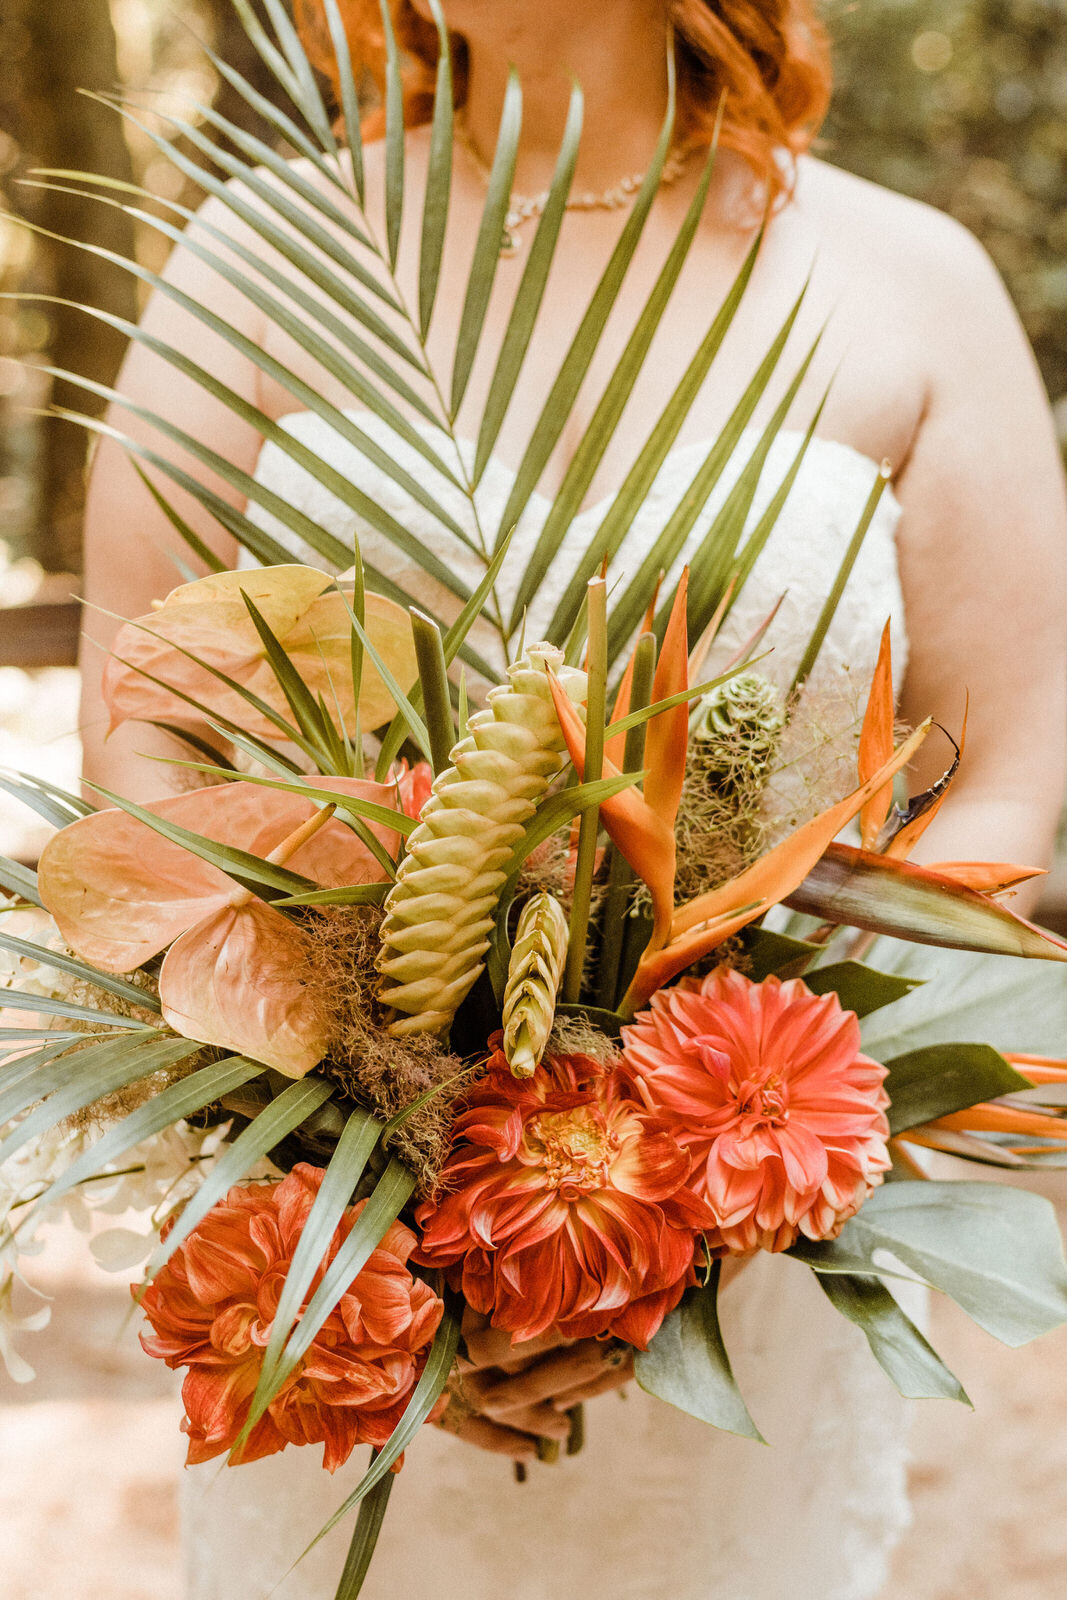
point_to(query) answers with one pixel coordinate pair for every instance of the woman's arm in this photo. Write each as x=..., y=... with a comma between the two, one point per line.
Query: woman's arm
x=984, y=566
x=129, y=543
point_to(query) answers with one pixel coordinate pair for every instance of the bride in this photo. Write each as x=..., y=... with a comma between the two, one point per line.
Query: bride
x=966, y=553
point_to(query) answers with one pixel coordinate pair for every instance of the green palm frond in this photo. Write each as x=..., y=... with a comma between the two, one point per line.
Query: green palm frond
x=297, y=240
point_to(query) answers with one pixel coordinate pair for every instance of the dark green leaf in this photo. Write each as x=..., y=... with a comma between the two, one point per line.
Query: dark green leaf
x=993, y=1249
x=859, y=988
x=895, y=1341
x=942, y=1078
x=686, y=1364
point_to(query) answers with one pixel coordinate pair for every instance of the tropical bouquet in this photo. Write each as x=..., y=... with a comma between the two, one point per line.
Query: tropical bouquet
x=512, y=989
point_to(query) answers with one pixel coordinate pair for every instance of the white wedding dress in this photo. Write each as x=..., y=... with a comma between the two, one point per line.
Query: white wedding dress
x=658, y=1506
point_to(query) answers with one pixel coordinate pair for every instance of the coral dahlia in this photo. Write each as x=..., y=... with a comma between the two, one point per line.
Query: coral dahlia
x=566, y=1205
x=211, y=1309
x=765, y=1085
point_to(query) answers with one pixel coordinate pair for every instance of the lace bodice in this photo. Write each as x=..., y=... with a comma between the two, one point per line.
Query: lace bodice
x=658, y=1506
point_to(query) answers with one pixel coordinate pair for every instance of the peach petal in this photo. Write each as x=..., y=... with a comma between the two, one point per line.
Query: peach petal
x=234, y=980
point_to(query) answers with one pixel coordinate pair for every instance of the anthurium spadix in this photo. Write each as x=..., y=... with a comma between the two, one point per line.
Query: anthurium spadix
x=232, y=975
x=208, y=619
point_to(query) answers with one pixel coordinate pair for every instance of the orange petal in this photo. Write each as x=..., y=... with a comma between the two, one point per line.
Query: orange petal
x=615, y=747
x=990, y=877
x=235, y=980
x=876, y=742
x=120, y=892
x=699, y=653
x=900, y=845
x=707, y=921
x=643, y=837
x=991, y=1118
x=667, y=739
x=779, y=872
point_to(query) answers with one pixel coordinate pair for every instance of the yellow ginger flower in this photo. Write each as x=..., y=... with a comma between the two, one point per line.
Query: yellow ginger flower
x=534, y=975
x=439, y=913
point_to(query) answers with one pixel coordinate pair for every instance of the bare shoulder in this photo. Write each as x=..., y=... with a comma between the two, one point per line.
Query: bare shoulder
x=923, y=254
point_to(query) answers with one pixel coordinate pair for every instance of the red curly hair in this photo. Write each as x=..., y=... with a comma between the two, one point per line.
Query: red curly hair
x=770, y=57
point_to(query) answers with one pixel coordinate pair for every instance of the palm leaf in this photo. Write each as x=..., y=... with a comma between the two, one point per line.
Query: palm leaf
x=427, y=1392
x=346, y=1166
x=19, y=880
x=364, y=1540
x=88, y=1074
x=438, y=179
x=273, y=1124
x=391, y=1193
x=250, y=871
x=563, y=393
x=171, y=1105
x=609, y=409
x=62, y=962
x=486, y=256
x=531, y=290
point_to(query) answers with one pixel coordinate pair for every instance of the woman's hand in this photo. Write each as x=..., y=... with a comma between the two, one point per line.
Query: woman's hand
x=505, y=1397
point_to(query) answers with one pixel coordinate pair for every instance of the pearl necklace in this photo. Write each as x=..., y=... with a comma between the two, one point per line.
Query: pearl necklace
x=523, y=208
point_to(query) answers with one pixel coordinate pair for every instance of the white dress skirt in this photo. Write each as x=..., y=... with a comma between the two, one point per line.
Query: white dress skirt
x=657, y=1506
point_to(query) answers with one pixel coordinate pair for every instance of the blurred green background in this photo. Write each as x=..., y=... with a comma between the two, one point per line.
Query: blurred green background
x=962, y=103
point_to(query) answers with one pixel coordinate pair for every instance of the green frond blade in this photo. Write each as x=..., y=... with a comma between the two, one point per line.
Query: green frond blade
x=37, y=800
x=73, y=803
x=575, y=365
x=364, y=1540
x=273, y=1124
x=171, y=1105
x=428, y=1391
x=308, y=97
x=826, y=616
x=630, y=606
x=51, y=1006
x=352, y=894
x=349, y=96
x=20, y=880
x=343, y=1172
x=391, y=1193
x=301, y=702
x=269, y=54
x=188, y=535
x=246, y=869
x=516, y=342
x=285, y=240
x=60, y=961
x=215, y=758
x=607, y=414
x=438, y=178
x=715, y=562
x=433, y=677
x=453, y=645
x=634, y=491
x=486, y=256
x=90, y=1073
x=394, y=138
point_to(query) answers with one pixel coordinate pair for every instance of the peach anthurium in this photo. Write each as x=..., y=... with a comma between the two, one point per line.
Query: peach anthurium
x=208, y=618
x=120, y=893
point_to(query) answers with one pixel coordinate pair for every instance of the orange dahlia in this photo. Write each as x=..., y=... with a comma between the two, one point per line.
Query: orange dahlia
x=211, y=1309
x=565, y=1205
x=765, y=1085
